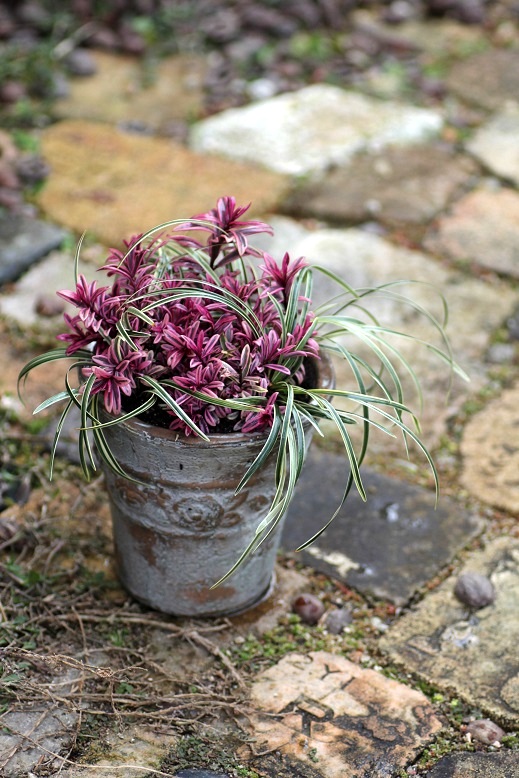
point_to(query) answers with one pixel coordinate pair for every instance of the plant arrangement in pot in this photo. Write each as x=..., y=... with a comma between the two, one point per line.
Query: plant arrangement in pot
x=200, y=376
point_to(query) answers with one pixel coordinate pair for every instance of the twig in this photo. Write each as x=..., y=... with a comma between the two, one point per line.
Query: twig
x=194, y=636
x=57, y=547
x=129, y=618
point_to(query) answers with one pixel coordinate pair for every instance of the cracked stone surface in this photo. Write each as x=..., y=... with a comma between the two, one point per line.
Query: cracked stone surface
x=388, y=546
x=494, y=476
x=473, y=654
x=311, y=129
x=93, y=187
x=334, y=719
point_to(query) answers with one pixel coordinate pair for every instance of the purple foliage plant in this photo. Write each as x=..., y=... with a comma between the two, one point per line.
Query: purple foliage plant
x=203, y=333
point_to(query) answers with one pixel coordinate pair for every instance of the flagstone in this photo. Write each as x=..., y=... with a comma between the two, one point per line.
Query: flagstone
x=306, y=131
x=490, y=450
x=28, y=734
x=124, y=89
x=24, y=241
x=134, y=751
x=481, y=228
x=495, y=144
x=388, y=546
x=499, y=765
x=115, y=185
x=326, y=717
x=472, y=654
x=488, y=79
x=402, y=184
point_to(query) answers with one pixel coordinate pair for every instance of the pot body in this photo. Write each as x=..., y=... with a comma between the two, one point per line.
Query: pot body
x=181, y=528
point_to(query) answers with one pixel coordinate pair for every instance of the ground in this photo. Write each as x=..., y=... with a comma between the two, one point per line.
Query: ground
x=95, y=683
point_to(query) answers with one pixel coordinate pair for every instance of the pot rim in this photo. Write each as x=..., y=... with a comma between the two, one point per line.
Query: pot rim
x=326, y=381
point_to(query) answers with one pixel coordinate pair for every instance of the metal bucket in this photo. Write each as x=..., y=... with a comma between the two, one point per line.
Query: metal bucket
x=183, y=528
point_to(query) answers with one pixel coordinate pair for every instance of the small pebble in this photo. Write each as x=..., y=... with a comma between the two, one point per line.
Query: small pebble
x=261, y=88
x=379, y=624
x=475, y=590
x=485, y=731
x=308, y=607
x=222, y=26
x=12, y=91
x=34, y=15
x=337, y=619
x=80, y=62
x=270, y=20
x=7, y=25
x=131, y=42
x=305, y=11
x=104, y=38
x=32, y=168
x=399, y=11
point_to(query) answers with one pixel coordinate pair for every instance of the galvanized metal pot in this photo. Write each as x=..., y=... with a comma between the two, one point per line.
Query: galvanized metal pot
x=182, y=528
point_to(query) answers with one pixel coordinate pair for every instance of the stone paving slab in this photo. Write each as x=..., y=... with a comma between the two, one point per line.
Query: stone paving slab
x=490, y=450
x=114, y=184
x=123, y=91
x=481, y=228
x=24, y=241
x=489, y=79
x=495, y=144
x=500, y=765
x=134, y=750
x=390, y=545
x=329, y=718
x=306, y=131
x=473, y=654
x=403, y=185
x=42, y=281
x=32, y=737
x=439, y=38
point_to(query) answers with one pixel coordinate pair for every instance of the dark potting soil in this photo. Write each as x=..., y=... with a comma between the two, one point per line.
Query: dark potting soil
x=159, y=416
